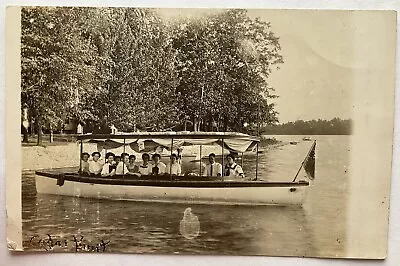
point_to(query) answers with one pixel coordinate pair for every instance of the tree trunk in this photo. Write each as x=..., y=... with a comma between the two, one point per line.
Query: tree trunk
x=194, y=124
x=32, y=128
x=225, y=124
x=26, y=135
x=51, y=136
x=39, y=133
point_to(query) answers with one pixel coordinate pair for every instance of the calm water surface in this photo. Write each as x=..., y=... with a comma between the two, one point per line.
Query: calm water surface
x=316, y=229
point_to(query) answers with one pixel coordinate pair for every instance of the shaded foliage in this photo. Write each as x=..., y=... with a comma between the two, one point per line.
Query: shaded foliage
x=135, y=66
x=224, y=61
x=54, y=62
x=128, y=68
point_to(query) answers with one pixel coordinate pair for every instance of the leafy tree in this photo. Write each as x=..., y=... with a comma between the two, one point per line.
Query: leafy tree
x=54, y=63
x=136, y=74
x=224, y=63
x=126, y=67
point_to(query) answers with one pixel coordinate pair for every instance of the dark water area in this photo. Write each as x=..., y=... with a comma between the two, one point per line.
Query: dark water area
x=316, y=229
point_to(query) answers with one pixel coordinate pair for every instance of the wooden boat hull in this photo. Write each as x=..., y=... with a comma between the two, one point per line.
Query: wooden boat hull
x=177, y=191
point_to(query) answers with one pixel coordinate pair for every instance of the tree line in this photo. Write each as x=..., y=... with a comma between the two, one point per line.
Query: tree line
x=334, y=126
x=129, y=68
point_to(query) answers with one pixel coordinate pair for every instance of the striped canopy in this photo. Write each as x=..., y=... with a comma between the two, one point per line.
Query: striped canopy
x=150, y=141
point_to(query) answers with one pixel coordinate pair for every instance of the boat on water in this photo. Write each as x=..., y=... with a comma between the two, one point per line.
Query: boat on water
x=307, y=138
x=187, y=188
x=293, y=142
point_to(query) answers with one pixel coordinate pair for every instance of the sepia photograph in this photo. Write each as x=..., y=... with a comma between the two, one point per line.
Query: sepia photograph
x=200, y=131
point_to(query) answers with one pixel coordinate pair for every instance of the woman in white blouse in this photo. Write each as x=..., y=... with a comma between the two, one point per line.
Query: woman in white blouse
x=173, y=168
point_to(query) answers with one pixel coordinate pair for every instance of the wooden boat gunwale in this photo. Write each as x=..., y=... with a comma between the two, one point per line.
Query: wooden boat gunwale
x=166, y=181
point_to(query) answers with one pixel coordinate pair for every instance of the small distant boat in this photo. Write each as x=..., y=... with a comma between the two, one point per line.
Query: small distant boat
x=307, y=139
x=293, y=143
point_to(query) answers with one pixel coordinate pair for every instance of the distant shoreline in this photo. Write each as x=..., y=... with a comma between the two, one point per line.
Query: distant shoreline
x=335, y=126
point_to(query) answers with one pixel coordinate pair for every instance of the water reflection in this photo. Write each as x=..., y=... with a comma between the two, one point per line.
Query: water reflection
x=146, y=227
x=189, y=227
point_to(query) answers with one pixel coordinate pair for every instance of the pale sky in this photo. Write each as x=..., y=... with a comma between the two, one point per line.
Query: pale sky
x=326, y=54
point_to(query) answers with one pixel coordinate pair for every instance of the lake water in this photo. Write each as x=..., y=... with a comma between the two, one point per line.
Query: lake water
x=316, y=229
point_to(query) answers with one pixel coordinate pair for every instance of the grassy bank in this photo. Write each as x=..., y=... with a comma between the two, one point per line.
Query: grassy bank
x=53, y=156
x=58, y=140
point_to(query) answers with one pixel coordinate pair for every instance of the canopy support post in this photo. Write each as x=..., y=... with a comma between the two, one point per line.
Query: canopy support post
x=80, y=156
x=257, y=162
x=170, y=164
x=200, y=161
x=223, y=166
x=123, y=163
x=105, y=155
x=242, y=159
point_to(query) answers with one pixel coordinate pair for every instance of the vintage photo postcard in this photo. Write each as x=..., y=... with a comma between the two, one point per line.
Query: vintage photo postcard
x=199, y=131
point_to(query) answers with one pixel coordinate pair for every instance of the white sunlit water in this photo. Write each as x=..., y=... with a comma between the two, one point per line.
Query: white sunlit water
x=316, y=229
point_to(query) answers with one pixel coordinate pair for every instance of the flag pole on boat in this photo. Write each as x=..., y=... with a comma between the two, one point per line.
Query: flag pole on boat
x=305, y=159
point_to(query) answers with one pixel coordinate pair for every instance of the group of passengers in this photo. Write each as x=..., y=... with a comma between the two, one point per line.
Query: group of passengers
x=126, y=165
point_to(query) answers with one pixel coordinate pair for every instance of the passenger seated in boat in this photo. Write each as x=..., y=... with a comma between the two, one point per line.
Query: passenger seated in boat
x=145, y=166
x=213, y=168
x=122, y=167
x=122, y=157
x=95, y=166
x=132, y=166
x=158, y=166
x=84, y=167
x=109, y=166
x=173, y=168
x=233, y=170
x=117, y=159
